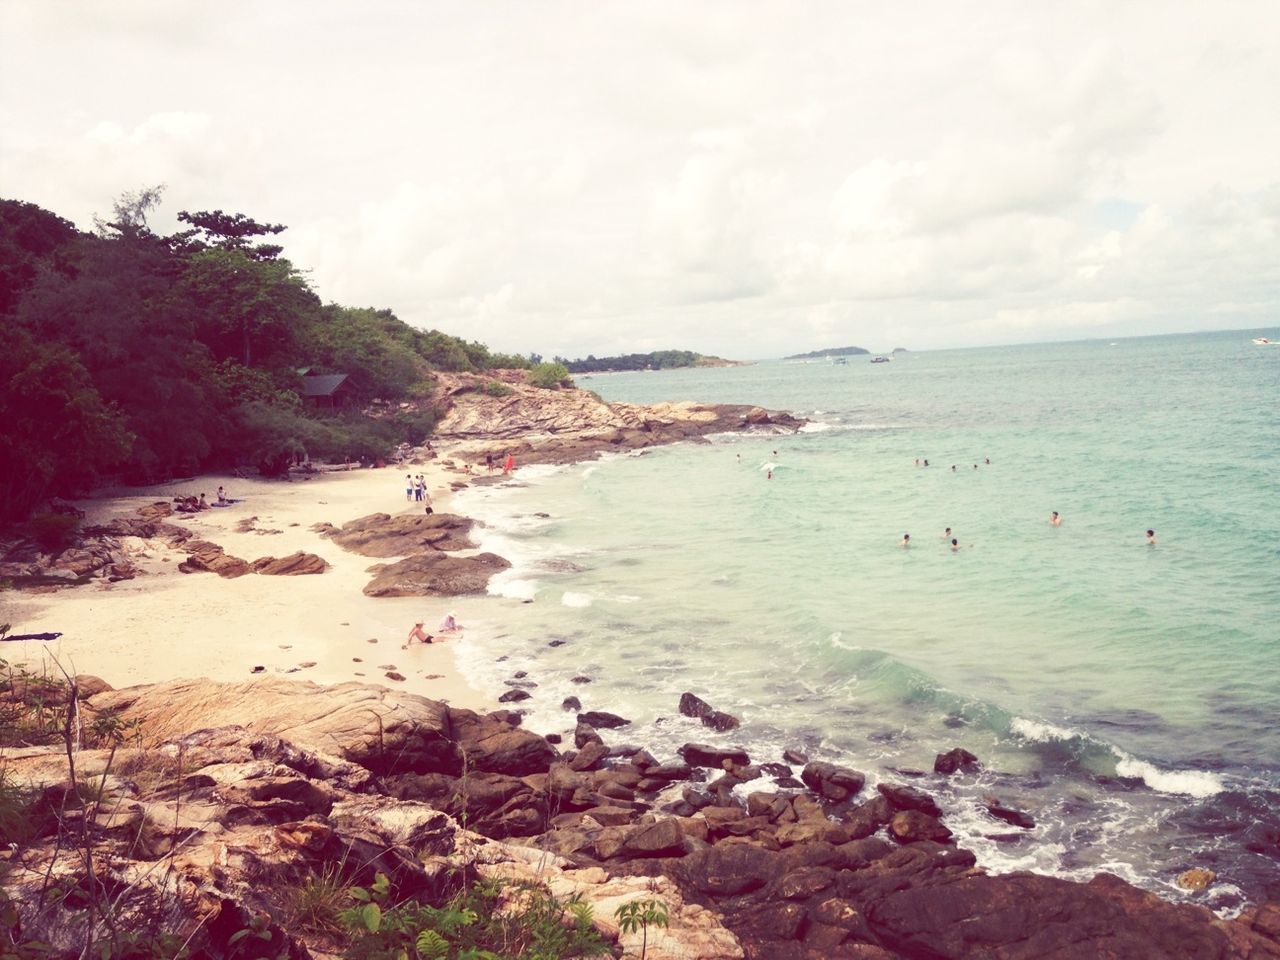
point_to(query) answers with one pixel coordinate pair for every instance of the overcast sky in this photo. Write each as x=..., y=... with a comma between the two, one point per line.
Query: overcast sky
x=745, y=179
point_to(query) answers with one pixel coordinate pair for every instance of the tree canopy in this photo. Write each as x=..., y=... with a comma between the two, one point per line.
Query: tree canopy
x=140, y=357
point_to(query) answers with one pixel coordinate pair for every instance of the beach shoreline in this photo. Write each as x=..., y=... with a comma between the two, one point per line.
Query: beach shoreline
x=163, y=624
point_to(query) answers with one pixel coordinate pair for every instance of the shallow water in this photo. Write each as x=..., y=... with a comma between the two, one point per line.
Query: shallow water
x=1125, y=694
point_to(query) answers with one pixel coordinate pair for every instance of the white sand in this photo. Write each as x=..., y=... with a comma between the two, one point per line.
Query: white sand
x=165, y=624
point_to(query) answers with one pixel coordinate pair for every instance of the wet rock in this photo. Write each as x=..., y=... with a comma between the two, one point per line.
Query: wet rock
x=571, y=703
x=830, y=781
x=514, y=696
x=703, y=755
x=1196, y=879
x=955, y=760
x=1017, y=818
x=584, y=733
x=580, y=679
x=589, y=756
x=909, y=798
x=912, y=826
x=602, y=720
x=776, y=769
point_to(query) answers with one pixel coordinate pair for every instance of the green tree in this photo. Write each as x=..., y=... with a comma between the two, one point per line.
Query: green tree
x=57, y=431
x=31, y=240
x=550, y=376
x=227, y=231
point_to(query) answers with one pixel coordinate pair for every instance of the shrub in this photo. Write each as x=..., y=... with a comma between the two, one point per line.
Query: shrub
x=550, y=376
x=496, y=388
x=53, y=531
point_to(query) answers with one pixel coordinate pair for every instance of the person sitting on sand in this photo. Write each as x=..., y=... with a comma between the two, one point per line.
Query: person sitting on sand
x=1055, y=519
x=905, y=541
x=418, y=634
x=203, y=504
x=1151, y=538
x=450, y=623
x=222, y=495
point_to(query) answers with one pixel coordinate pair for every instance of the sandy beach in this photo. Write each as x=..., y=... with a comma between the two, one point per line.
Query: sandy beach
x=165, y=624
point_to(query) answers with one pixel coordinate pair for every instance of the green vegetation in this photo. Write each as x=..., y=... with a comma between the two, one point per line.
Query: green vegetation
x=550, y=376
x=658, y=360
x=491, y=920
x=641, y=915
x=828, y=352
x=140, y=357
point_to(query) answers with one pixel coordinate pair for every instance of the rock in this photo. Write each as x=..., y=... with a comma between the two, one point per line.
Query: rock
x=382, y=535
x=731, y=869
x=909, y=798
x=912, y=826
x=294, y=565
x=694, y=706
x=381, y=729
x=1016, y=817
x=661, y=839
x=434, y=575
x=1196, y=879
x=392, y=675
x=514, y=696
x=571, y=703
x=589, y=756
x=702, y=755
x=494, y=744
x=954, y=760
x=88, y=685
x=832, y=782
x=600, y=719
x=719, y=721
x=580, y=679
x=795, y=757
x=205, y=557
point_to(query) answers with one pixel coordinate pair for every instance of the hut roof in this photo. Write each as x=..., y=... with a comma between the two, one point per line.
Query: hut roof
x=322, y=385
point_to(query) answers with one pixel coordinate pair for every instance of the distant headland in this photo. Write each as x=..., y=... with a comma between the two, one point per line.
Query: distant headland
x=829, y=352
x=657, y=360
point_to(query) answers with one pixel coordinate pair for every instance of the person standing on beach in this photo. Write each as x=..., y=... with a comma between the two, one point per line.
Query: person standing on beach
x=408, y=488
x=509, y=464
x=1055, y=519
x=1151, y=538
x=488, y=462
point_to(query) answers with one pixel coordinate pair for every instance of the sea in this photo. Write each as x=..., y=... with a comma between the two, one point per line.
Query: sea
x=1125, y=694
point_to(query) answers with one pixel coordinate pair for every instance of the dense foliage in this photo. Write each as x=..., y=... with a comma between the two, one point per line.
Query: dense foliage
x=828, y=352
x=136, y=356
x=657, y=360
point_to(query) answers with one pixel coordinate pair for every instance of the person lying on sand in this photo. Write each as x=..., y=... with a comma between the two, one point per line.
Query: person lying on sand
x=418, y=634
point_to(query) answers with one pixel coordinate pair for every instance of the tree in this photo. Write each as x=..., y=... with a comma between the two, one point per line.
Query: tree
x=31, y=239
x=550, y=376
x=228, y=231
x=247, y=308
x=58, y=434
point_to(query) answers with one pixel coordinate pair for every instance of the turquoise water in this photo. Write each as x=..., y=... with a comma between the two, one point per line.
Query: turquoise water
x=1127, y=695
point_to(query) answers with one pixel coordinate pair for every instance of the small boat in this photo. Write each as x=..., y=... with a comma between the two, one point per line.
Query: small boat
x=881, y=359
x=1264, y=342
x=840, y=360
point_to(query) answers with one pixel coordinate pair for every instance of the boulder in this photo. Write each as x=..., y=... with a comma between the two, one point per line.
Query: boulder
x=206, y=557
x=381, y=729
x=955, y=760
x=830, y=781
x=492, y=743
x=731, y=869
x=382, y=535
x=661, y=839
x=514, y=696
x=1017, y=818
x=702, y=755
x=294, y=565
x=912, y=826
x=434, y=575
x=909, y=798
x=602, y=720
x=571, y=703
x=1196, y=879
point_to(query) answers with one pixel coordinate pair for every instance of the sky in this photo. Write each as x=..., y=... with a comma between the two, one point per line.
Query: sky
x=744, y=179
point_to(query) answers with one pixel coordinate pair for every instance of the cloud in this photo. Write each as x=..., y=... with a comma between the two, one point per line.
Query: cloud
x=742, y=179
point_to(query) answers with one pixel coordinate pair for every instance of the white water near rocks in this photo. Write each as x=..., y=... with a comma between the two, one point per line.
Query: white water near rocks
x=1124, y=694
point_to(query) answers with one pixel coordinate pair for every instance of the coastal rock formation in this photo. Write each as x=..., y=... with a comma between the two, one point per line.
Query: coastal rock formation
x=292, y=778
x=561, y=426
x=206, y=557
x=382, y=535
x=294, y=565
x=434, y=575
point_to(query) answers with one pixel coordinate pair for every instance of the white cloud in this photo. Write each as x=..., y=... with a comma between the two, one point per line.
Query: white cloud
x=742, y=179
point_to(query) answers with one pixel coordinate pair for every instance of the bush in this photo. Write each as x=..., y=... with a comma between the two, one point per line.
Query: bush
x=550, y=376
x=53, y=531
x=496, y=388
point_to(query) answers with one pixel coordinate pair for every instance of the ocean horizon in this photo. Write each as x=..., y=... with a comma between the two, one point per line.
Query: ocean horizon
x=1123, y=693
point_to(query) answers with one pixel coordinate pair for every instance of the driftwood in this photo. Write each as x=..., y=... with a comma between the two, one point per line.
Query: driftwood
x=32, y=636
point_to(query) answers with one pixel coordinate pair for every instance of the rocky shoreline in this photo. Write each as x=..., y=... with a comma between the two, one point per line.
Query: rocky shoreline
x=238, y=791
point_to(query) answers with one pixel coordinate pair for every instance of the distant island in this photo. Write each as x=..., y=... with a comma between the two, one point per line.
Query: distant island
x=828, y=352
x=657, y=360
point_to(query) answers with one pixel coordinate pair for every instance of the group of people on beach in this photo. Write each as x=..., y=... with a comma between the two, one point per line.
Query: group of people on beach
x=415, y=490
x=194, y=504
x=447, y=625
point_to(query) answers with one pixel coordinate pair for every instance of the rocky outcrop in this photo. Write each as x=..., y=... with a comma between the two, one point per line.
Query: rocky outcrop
x=309, y=776
x=294, y=565
x=382, y=535
x=434, y=575
x=561, y=426
x=206, y=557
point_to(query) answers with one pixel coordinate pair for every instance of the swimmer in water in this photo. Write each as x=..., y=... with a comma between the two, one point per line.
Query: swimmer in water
x=1055, y=519
x=953, y=468
x=955, y=545
x=946, y=534
x=926, y=463
x=988, y=461
x=906, y=540
x=1151, y=538
x=769, y=475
